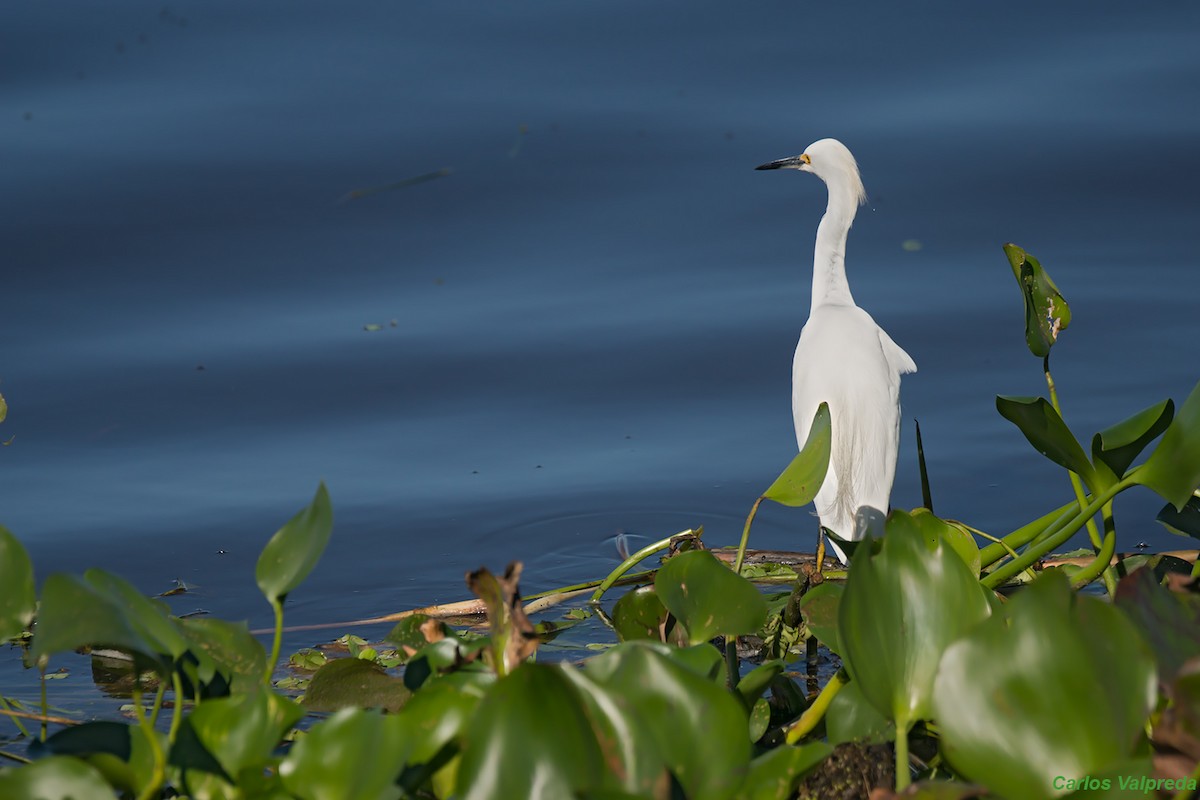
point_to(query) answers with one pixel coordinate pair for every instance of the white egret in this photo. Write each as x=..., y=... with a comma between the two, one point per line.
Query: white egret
x=846, y=360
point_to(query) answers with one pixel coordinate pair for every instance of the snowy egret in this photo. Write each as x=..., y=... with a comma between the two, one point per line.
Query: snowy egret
x=845, y=359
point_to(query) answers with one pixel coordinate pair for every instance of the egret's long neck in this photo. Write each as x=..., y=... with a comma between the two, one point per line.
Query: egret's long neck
x=829, y=285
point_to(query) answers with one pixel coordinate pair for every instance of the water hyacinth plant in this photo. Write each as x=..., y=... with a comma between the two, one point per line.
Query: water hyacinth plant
x=939, y=682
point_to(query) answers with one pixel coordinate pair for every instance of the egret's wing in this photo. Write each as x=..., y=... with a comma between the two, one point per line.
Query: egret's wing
x=896, y=357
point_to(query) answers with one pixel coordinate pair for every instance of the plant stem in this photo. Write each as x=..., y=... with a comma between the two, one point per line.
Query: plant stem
x=816, y=712
x=1076, y=483
x=731, y=661
x=632, y=561
x=1024, y=535
x=146, y=723
x=1100, y=564
x=903, y=774
x=741, y=553
x=1057, y=533
x=277, y=606
x=176, y=712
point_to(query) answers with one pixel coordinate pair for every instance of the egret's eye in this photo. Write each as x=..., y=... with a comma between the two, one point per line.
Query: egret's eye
x=806, y=159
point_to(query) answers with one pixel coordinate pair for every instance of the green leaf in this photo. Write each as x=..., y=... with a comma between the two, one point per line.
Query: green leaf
x=353, y=755
x=852, y=718
x=1048, y=434
x=121, y=752
x=224, y=647
x=1046, y=312
x=998, y=724
x=240, y=731
x=530, y=738
x=1168, y=621
x=75, y=614
x=3, y=408
x=708, y=598
x=55, y=778
x=347, y=682
x=1119, y=445
x=1173, y=469
x=295, y=548
x=674, y=718
x=639, y=614
x=798, y=484
x=148, y=617
x=755, y=682
x=1184, y=521
x=440, y=712
x=904, y=602
x=775, y=774
x=18, y=599
x=820, y=608
x=935, y=529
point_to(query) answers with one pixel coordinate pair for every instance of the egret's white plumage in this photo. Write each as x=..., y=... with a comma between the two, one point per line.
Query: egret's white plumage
x=845, y=359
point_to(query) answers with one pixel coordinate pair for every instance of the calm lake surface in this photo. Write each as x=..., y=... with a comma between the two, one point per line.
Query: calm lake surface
x=584, y=329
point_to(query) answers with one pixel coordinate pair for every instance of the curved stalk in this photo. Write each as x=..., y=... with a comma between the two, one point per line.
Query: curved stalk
x=277, y=607
x=1057, y=534
x=1076, y=482
x=632, y=561
x=1024, y=535
x=741, y=553
x=816, y=712
x=1100, y=564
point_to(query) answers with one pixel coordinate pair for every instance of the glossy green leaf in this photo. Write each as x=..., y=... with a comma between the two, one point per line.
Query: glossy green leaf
x=820, y=609
x=439, y=713
x=998, y=727
x=639, y=614
x=3, y=408
x=120, y=752
x=1173, y=469
x=295, y=548
x=775, y=774
x=798, y=484
x=1049, y=435
x=55, y=778
x=1119, y=445
x=75, y=614
x=224, y=647
x=1168, y=621
x=1183, y=521
x=353, y=755
x=17, y=600
x=530, y=738
x=354, y=682
x=708, y=598
x=1046, y=312
x=960, y=540
x=148, y=617
x=755, y=682
x=695, y=726
x=240, y=731
x=904, y=602
x=852, y=718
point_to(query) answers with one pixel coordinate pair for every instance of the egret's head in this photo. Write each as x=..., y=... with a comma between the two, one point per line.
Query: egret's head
x=829, y=160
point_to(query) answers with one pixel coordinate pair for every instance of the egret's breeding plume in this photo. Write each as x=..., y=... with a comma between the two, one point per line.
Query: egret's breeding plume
x=845, y=359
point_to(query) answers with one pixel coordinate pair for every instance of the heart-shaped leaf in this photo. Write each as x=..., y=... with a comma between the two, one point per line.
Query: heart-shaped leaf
x=1119, y=445
x=998, y=727
x=17, y=600
x=295, y=548
x=1173, y=469
x=353, y=755
x=1047, y=432
x=1046, y=312
x=708, y=598
x=905, y=601
x=798, y=484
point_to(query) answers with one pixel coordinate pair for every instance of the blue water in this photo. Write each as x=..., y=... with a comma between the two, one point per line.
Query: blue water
x=587, y=327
